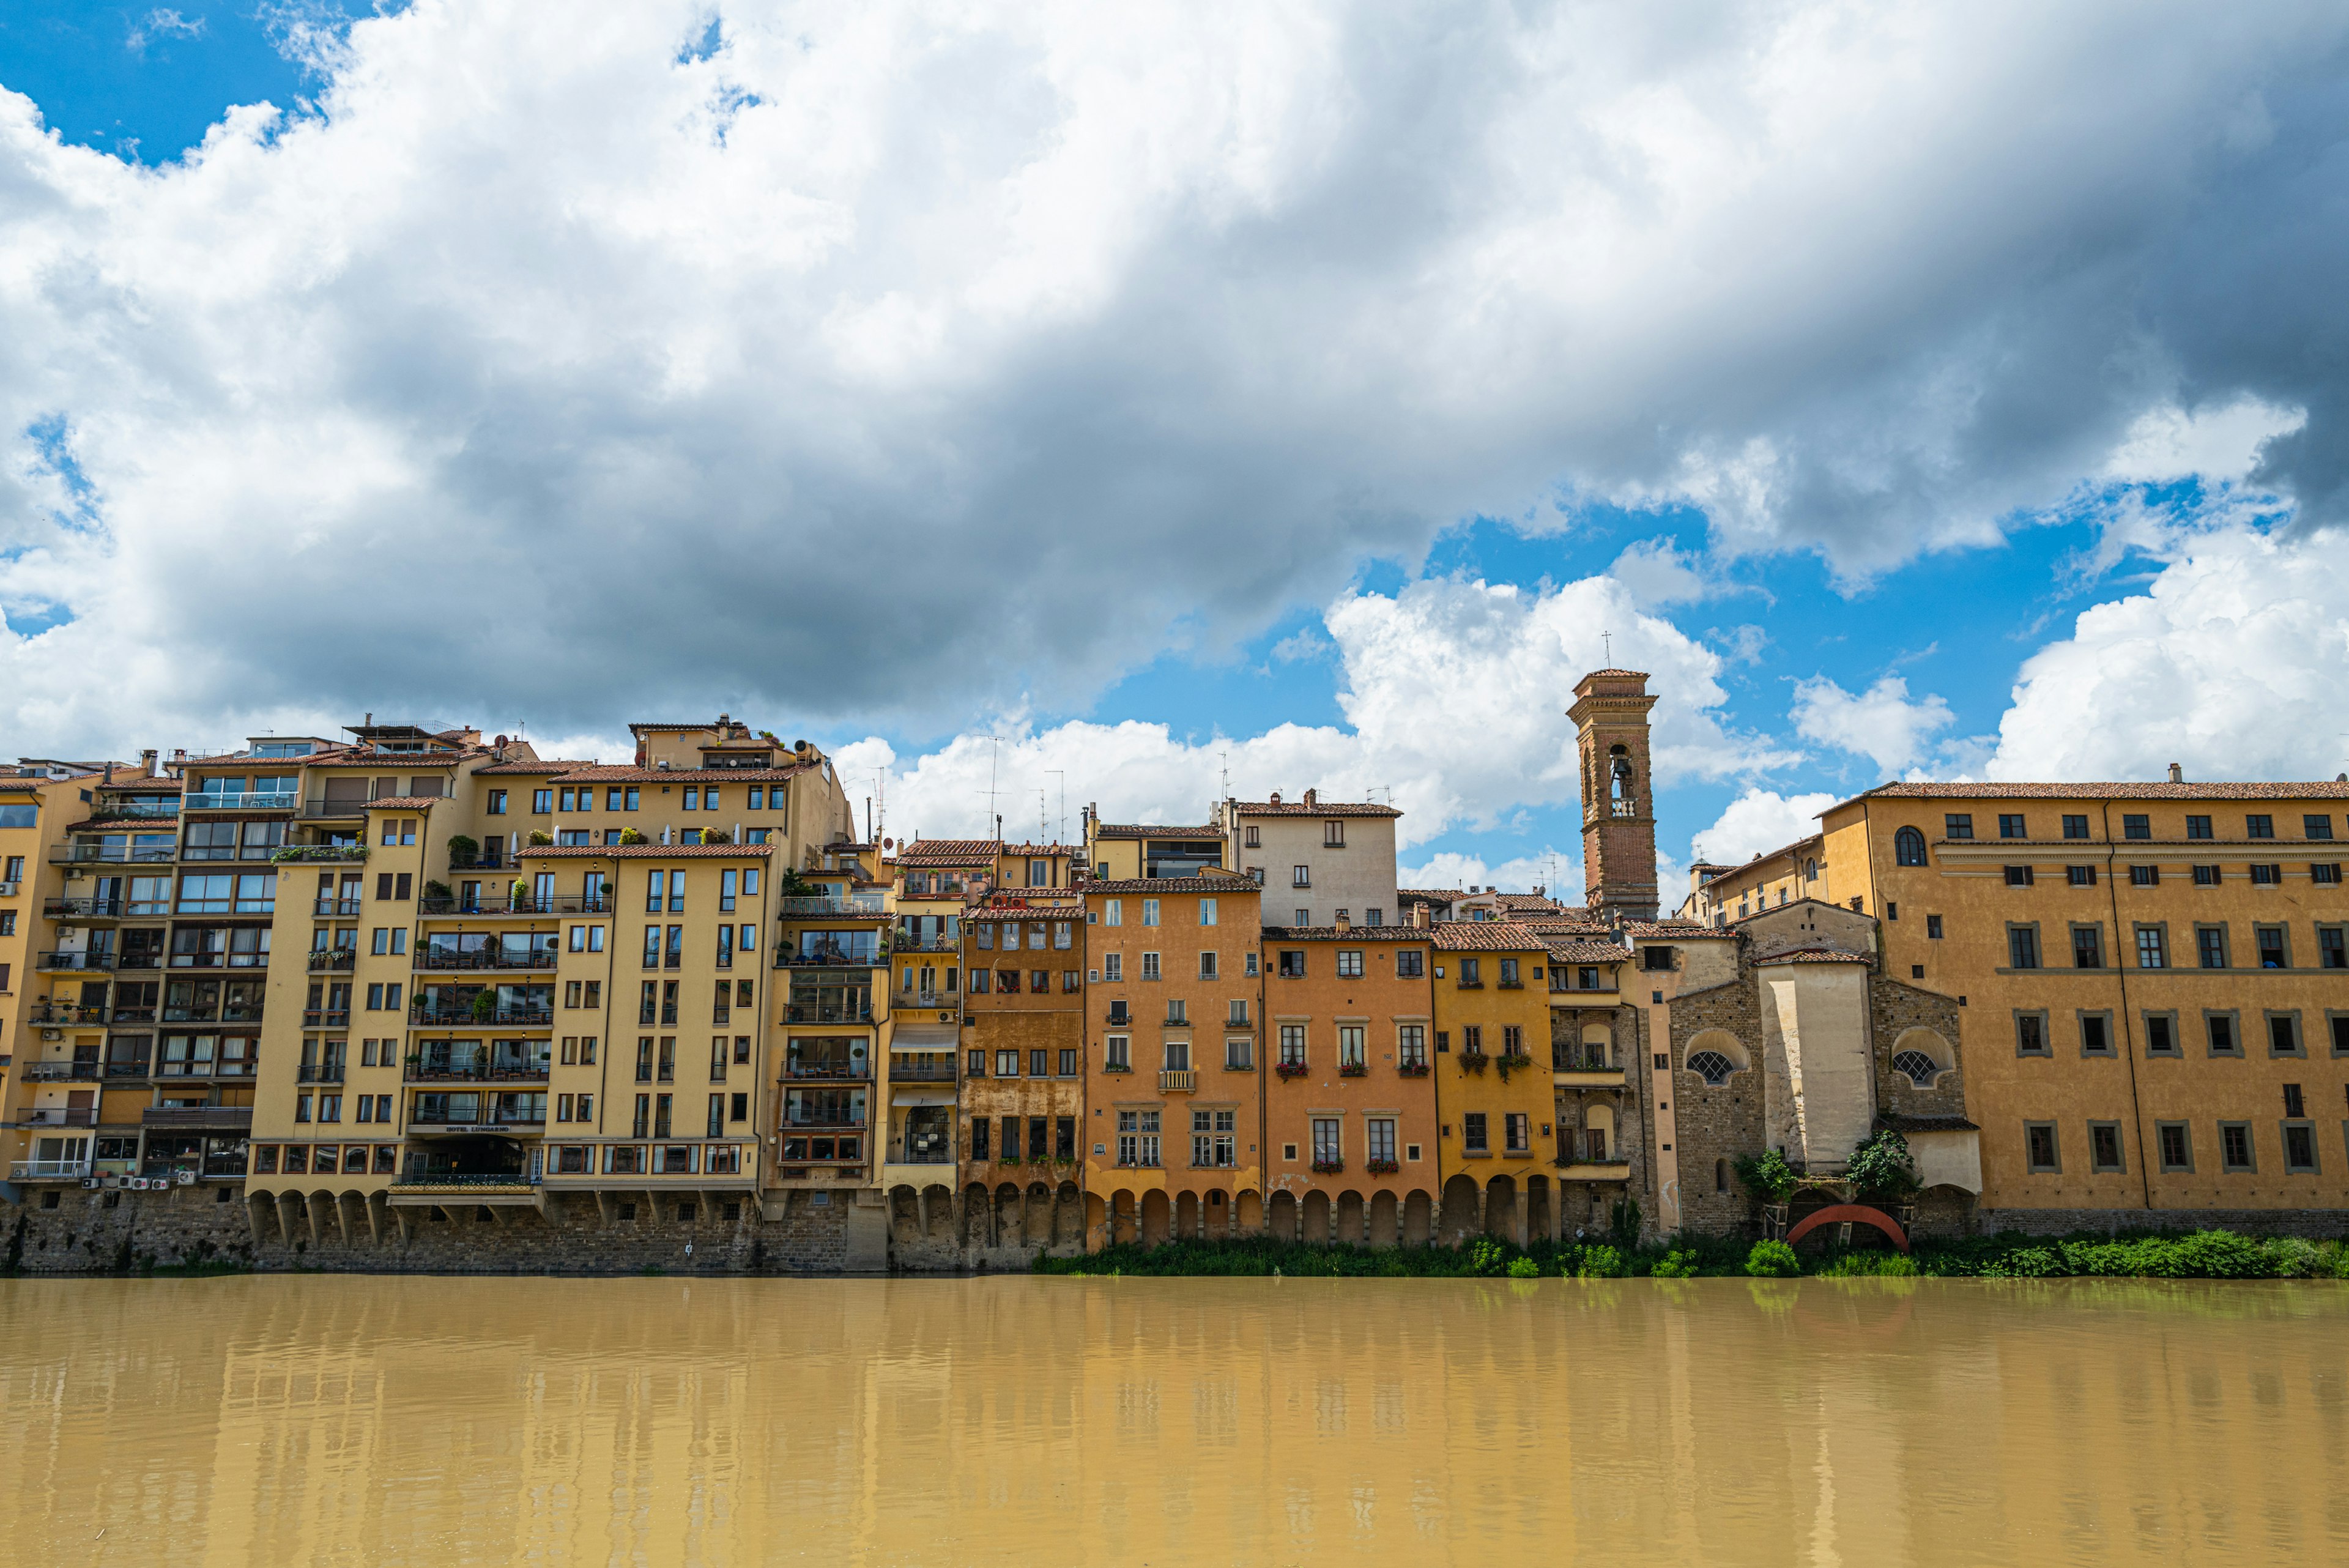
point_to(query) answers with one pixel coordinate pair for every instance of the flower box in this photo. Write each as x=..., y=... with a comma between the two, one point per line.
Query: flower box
x=1355, y=1070
x=1118, y=1067
x=1328, y=1166
x=1413, y=1070
x=1380, y=1167
x=1472, y=1061
x=1290, y=1069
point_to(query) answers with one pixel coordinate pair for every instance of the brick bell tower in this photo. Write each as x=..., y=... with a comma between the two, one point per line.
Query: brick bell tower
x=1618, y=815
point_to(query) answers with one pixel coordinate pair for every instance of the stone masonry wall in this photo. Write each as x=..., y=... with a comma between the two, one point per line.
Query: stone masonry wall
x=1712, y=1124
x=1895, y=1007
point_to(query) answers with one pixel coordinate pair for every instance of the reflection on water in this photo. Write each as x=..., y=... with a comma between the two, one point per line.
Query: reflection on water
x=1170, y=1422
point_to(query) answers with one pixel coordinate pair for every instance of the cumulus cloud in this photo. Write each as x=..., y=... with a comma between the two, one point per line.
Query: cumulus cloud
x=1757, y=822
x=877, y=362
x=1557, y=872
x=2232, y=663
x=1454, y=695
x=1880, y=724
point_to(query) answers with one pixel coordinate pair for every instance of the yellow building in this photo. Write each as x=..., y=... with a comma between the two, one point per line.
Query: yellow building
x=1493, y=1093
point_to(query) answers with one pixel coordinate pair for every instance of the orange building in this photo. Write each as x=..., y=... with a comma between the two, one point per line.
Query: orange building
x=1350, y=1128
x=1498, y=1115
x=1173, y=1103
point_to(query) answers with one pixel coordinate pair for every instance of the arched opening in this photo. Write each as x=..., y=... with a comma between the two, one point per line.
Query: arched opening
x=975, y=1215
x=1714, y=1054
x=1280, y=1216
x=1463, y=1215
x=1501, y=1214
x=1541, y=1212
x=1125, y=1218
x=1010, y=1223
x=1909, y=847
x=1350, y=1221
x=1316, y=1215
x=1595, y=1052
x=1921, y=1056
x=1155, y=1213
x=1187, y=1215
x=1247, y=1214
x=1096, y=1222
x=1599, y=1133
x=1385, y=1220
x=1720, y=1176
x=1418, y=1217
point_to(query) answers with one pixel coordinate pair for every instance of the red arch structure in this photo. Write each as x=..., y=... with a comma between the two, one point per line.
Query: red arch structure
x=1848, y=1213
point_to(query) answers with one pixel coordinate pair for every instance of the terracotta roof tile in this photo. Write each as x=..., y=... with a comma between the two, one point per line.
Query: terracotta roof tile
x=1351, y=934
x=1152, y=830
x=1925, y=1124
x=604, y=772
x=1211, y=881
x=1485, y=936
x=1529, y=903
x=1589, y=953
x=640, y=851
x=958, y=851
x=544, y=765
x=2185, y=794
x=1312, y=808
x=1443, y=896
x=401, y=803
x=1814, y=955
x=1682, y=928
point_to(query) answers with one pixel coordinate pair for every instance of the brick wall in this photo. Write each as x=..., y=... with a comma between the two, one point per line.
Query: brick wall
x=1716, y=1123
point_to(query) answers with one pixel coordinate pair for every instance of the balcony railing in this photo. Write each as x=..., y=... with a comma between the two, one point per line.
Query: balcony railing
x=832, y=1072
x=911, y=1154
x=336, y=810
x=422, y=1073
x=785, y=959
x=921, y=1072
x=135, y=810
x=905, y=944
x=499, y=903
x=110, y=854
x=58, y=1071
x=54, y=1014
x=326, y=1018
x=439, y=1015
x=127, y=1067
x=427, y=957
x=326, y=959
x=47, y=1169
x=72, y=960
x=799, y=1013
x=1178, y=1081
x=58, y=1117
x=1570, y=1059
x=289, y=853
x=321, y=1073
x=337, y=908
x=81, y=909
x=251, y=800
x=819, y=1124
x=494, y=1119
x=838, y=904
x=466, y=1179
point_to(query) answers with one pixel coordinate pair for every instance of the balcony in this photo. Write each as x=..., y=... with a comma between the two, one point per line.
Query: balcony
x=337, y=908
x=333, y=810
x=922, y=1072
x=910, y=1153
x=60, y=1014
x=198, y=1118
x=496, y=1119
x=74, y=961
x=321, y=1073
x=135, y=810
x=499, y=903
x=326, y=1018
x=325, y=960
x=905, y=944
x=437, y=1017
x=422, y=1071
x=1573, y=1169
x=541, y=959
x=784, y=959
x=828, y=1072
x=251, y=800
x=289, y=854
x=805, y=1013
x=858, y=905
x=47, y=1169
x=82, y=909
x=111, y=854
x=1178, y=1081
x=58, y=1071
x=468, y=1181
x=10, y=889
x=58, y=1117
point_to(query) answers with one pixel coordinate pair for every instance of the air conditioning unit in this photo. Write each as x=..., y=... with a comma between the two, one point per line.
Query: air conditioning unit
x=53, y=1033
x=89, y=1181
x=187, y=1178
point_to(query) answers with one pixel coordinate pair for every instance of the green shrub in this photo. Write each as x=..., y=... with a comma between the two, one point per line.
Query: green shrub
x=1772, y=1261
x=1598, y=1262
x=1623, y=1223
x=1880, y=1165
x=1524, y=1268
x=1485, y=1256
x=1676, y=1264
x=1767, y=1176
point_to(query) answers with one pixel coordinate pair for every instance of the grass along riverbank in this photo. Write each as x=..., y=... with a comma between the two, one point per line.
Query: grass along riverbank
x=2172, y=1255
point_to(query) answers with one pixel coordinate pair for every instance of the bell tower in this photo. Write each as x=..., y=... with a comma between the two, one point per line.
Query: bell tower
x=1619, y=813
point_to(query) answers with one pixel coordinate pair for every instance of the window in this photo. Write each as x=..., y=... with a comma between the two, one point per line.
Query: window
x=1150, y=966
x=1715, y=1068
x=2095, y=1034
x=542, y=802
x=2087, y=946
x=2196, y=827
x=1958, y=824
x=1333, y=835
x=2235, y=1147
x=2259, y=825
x=1472, y=1133
x=1206, y=914
x=2332, y=952
x=2210, y=946
x=2300, y=1150
x=1472, y=973
x=2010, y=826
x=1254, y=838
x=1292, y=963
x=1378, y=1140
x=1304, y=918
x=1214, y=1138
x=2272, y=953
x=1150, y=912
x=1658, y=959
x=2080, y=876
x=1118, y=1054
x=1006, y=1063
x=1239, y=1053
x=2039, y=1148
x=1909, y=847
x=2031, y=1034
x=2325, y=875
x=1113, y=914
x=2151, y=950
x=1914, y=1065
x=2075, y=827
x=1292, y=1044
x=1329, y=1148
x=1933, y=927
x=1300, y=877
x=2283, y=1034
x=1349, y=1047
x=2105, y=1146
x=2316, y=827
x=2177, y=1145
x=2023, y=947
x=2137, y=827
x=2018, y=876
x=2224, y=1042
x=2144, y=876
x=2160, y=1034
x=1207, y=966
x=1509, y=973
x=497, y=806
x=2206, y=875
x=1177, y=1011
x=1410, y=1044
x=1350, y=963
x=1113, y=966
x=1137, y=1139
x=1517, y=1133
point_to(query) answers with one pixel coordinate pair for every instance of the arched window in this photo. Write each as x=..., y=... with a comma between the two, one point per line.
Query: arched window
x=1712, y=1067
x=1916, y=1068
x=1909, y=847
x=1810, y=870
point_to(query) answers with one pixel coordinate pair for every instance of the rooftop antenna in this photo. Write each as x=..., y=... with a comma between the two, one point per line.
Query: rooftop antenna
x=994, y=748
x=1043, y=818
x=880, y=800
x=1226, y=757
x=1606, y=641
x=1062, y=775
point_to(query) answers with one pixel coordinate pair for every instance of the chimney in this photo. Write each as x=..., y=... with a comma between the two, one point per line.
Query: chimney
x=1275, y=797
x=2176, y=773
x=1309, y=797
x=147, y=761
x=1344, y=925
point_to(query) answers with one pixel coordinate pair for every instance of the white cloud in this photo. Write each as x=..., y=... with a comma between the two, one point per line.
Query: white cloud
x=165, y=23
x=1560, y=873
x=1757, y=822
x=2222, y=442
x=1454, y=695
x=1880, y=724
x=2232, y=663
x=890, y=359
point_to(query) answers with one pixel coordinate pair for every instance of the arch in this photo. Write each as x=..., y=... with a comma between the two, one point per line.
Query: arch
x=1216, y=1212
x=1909, y=847
x=1385, y=1220
x=1124, y=1217
x=1921, y=1056
x=977, y=1216
x=1541, y=1209
x=1418, y=1217
x=1349, y=1221
x=1463, y=1215
x=1280, y=1216
x=904, y=1218
x=937, y=1202
x=1316, y=1214
x=1811, y=869
x=1851, y=1214
x=1714, y=1054
x=1187, y=1215
x=1599, y=1130
x=1096, y=1222
x=1248, y=1213
x=1036, y=1216
x=1010, y=1223
x=1156, y=1214
x=1069, y=1215
x=1503, y=1215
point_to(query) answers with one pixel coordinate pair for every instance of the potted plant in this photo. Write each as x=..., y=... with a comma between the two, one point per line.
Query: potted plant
x=1328, y=1166
x=1472, y=1061
x=1413, y=1070
x=1353, y=1070
x=630, y=835
x=540, y=838
x=1772, y=1181
x=1290, y=1069
x=1380, y=1167
x=436, y=891
x=485, y=1006
x=1506, y=1062
x=462, y=851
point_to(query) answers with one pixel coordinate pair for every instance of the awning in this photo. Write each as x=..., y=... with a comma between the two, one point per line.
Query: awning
x=923, y=1037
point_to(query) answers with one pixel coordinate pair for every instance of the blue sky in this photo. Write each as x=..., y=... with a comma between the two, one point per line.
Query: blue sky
x=907, y=388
